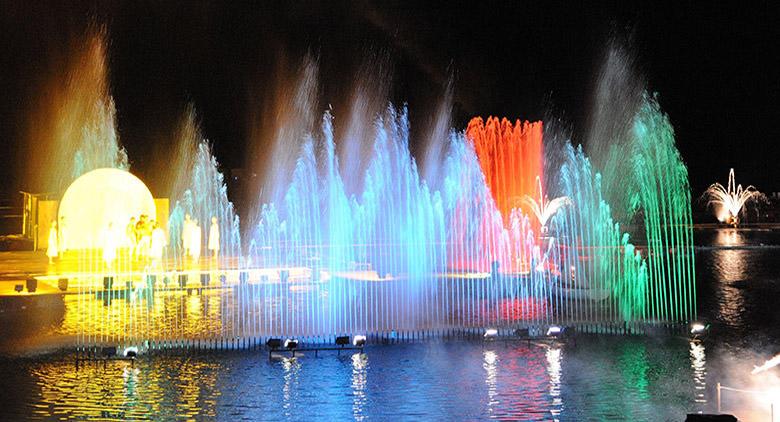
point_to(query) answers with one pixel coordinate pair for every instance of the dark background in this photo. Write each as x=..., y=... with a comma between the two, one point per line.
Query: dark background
x=709, y=63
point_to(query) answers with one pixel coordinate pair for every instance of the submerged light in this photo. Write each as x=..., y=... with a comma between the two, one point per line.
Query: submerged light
x=697, y=328
x=491, y=332
x=554, y=331
x=359, y=341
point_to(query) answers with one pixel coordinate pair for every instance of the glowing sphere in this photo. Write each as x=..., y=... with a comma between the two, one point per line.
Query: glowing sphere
x=99, y=198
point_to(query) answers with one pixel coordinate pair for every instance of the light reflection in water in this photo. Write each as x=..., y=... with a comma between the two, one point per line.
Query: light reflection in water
x=186, y=389
x=291, y=386
x=731, y=268
x=359, y=382
x=554, y=371
x=490, y=365
x=699, y=366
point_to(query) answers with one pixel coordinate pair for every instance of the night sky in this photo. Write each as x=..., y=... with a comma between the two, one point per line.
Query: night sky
x=709, y=63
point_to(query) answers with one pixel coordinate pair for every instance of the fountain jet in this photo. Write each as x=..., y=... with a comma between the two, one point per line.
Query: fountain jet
x=730, y=202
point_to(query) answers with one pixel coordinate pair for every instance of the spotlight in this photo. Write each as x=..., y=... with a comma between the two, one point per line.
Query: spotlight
x=19, y=288
x=359, y=341
x=274, y=343
x=699, y=329
x=491, y=333
x=130, y=352
x=62, y=284
x=554, y=331
x=342, y=341
x=290, y=344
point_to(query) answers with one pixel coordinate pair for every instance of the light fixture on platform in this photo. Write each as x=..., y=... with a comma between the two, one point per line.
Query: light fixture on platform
x=554, y=331
x=359, y=341
x=699, y=329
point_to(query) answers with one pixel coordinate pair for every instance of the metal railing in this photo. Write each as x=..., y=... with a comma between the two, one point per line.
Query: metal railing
x=721, y=388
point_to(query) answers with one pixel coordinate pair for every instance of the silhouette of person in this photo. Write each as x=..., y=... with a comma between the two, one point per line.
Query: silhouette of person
x=52, y=250
x=214, y=237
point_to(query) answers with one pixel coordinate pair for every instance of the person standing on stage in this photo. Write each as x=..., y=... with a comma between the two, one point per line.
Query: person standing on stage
x=51, y=250
x=214, y=237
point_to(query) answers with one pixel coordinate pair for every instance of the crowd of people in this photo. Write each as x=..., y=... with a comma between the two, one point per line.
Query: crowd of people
x=191, y=237
x=144, y=238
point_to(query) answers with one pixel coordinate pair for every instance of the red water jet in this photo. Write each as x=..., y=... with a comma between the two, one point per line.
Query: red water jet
x=511, y=157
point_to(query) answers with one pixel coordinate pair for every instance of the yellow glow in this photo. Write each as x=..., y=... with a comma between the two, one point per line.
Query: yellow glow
x=101, y=197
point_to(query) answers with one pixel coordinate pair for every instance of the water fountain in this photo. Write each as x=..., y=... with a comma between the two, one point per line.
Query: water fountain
x=373, y=247
x=730, y=203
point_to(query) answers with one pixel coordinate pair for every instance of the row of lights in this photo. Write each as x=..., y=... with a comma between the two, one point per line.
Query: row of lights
x=698, y=329
x=291, y=344
x=552, y=331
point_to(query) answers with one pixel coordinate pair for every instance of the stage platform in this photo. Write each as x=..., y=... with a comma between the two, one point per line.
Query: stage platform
x=85, y=271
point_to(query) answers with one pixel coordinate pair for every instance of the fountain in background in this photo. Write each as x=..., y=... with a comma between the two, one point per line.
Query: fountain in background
x=730, y=202
x=370, y=246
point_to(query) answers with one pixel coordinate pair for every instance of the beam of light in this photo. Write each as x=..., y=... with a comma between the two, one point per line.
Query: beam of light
x=771, y=363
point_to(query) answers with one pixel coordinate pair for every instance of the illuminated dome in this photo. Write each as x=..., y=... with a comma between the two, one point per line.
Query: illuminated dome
x=100, y=197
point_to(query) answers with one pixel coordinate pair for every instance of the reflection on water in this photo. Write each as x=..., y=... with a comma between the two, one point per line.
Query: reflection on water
x=554, y=371
x=291, y=387
x=491, y=372
x=359, y=383
x=184, y=389
x=617, y=378
x=699, y=366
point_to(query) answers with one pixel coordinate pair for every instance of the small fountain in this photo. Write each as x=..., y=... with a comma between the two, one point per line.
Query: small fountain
x=545, y=208
x=730, y=202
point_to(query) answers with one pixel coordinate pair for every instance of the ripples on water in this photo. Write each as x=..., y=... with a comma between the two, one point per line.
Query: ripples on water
x=596, y=378
x=602, y=378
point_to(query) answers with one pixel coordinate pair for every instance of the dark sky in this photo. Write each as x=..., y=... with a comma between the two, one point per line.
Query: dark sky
x=709, y=63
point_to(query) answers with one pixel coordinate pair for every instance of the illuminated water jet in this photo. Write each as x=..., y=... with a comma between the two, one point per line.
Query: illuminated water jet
x=730, y=202
x=342, y=244
x=771, y=363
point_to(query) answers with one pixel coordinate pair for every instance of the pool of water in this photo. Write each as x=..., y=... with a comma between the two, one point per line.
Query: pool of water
x=599, y=378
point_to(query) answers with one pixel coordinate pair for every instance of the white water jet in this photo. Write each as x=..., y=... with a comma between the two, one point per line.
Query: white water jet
x=729, y=202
